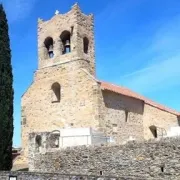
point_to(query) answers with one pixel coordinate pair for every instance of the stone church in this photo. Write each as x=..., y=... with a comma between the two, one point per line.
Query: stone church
x=66, y=93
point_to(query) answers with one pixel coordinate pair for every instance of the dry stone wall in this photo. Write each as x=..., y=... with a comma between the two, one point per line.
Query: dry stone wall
x=57, y=176
x=156, y=159
x=51, y=176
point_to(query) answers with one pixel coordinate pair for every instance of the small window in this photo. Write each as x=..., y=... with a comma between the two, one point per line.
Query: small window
x=86, y=44
x=162, y=169
x=66, y=42
x=38, y=140
x=101, y=173
x=126, y=116
x=56, y=90
x=49, y=46
x=153, y=130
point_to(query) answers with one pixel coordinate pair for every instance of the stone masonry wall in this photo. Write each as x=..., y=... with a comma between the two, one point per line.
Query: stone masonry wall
x=77, y=106
x=73, y=71
x=161, y=119
x=50, y=176
x=148, y=160
x=79, y=25
x=121, y=116
x=57, y=176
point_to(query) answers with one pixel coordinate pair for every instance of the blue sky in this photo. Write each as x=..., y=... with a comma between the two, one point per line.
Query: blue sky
x=137, y=45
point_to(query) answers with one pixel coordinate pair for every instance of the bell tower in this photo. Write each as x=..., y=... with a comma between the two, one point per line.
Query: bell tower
x=64, y=91
x=67, y=38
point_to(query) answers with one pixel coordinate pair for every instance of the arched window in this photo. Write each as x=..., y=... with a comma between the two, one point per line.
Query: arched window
x=85, y=44
x=56, y=90
x=54, y=139
x=49, y=46
x=66, y=42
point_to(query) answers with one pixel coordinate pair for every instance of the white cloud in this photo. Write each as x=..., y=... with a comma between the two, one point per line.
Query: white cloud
x=162, y=72
x=148, y=59
x=156, y=77
x=18, y=9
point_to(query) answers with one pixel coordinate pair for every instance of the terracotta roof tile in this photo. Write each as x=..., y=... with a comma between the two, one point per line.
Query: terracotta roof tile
x=130, y=93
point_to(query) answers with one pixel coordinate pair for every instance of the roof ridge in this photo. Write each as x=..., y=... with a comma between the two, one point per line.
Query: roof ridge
x=128, y=92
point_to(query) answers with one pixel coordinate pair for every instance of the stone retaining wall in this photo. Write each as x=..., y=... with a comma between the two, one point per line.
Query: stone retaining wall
x=54, y=176
x=152, y=159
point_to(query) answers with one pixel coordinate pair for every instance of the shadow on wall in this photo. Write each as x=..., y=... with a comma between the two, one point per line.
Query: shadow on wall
x=119, y=102
x=178, y=119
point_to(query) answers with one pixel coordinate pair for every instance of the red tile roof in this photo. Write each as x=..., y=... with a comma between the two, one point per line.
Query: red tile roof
x=127, y=92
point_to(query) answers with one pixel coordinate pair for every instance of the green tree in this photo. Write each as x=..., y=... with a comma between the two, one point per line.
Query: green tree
x=6, y=95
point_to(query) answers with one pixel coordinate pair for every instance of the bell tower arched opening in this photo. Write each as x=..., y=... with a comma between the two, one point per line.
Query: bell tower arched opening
x=67, y=38
x=49, y=47
x=66, y=42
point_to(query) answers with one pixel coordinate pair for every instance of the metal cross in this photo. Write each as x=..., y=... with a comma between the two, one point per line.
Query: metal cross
x=56, y=12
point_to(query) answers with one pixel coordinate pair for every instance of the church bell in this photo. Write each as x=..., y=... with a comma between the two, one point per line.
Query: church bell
x=67, y=43
x=50, y=48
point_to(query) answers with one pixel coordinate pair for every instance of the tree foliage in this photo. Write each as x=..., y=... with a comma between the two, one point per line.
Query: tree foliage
x=6, y=95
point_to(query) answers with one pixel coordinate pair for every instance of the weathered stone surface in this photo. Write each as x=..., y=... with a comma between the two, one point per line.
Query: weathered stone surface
x=52, y=176
x=121, y=116
x=153, y=159
x=159, y=118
